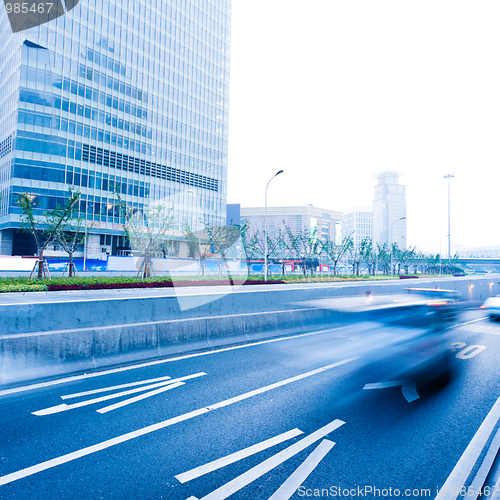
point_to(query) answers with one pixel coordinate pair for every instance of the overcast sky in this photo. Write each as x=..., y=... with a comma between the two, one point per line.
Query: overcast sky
x=333, y=92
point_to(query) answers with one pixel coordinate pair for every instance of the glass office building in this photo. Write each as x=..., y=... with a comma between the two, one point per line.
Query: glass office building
x=116, y=95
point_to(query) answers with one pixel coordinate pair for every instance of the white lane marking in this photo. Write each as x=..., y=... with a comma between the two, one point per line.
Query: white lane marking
x=277, y=384
x=464, y=466
x=65, y=407
x=409, y=390
x=106, y=389
x=492, y=330
x=290, y=486
x=29, y=471
x=235, y=457
x=259, y=470
x=158, y=362
x=469, y=322
x=408, y=387
x=139, y=398
x=114, y=387
x=383, y=385
x=485, y=468
x=14, y=476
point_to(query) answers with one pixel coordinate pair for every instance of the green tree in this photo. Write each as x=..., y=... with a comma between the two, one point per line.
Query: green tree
x=222, y=238
x=336, y=252
x=199, y=241
x=73, y=231
x=147, y=230
x=46, y=228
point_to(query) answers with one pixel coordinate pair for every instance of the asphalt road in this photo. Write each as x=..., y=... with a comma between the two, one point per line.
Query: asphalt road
x=330, y=437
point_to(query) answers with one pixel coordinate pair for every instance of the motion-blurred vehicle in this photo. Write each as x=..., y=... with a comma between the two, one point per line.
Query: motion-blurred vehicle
x=492, y=307
x=400, y=337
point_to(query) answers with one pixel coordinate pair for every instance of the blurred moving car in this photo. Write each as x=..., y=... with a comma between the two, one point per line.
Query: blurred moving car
x=492, y=306
x=402, y=336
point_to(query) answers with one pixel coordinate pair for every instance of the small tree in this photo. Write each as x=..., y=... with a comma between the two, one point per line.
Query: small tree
x=384, y=258
x=336, y=252
x=249, y=244
x=147, y=230
x=73, y=231
x=222, y=238
x=368, y=255
x=44, y=232
x=199, y=241
x=306, y=246
x=281, y=248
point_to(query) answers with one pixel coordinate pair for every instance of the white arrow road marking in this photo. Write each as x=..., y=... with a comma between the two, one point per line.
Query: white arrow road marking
x=14, y=476
x=65, y=407
x=259, y=470
x=290, y=486
x=139, y=398
x=114, y=387
x=235, y=457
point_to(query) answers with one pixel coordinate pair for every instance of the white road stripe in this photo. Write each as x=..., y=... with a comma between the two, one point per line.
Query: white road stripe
x=480, y=329
x=464, y=466
x=65, y=407
x=106, y=389
x=259, y=470
x=290, y=486
x=114, y=387
x=51, y=383
x=277, y=384
x=140, y=432
x=139, y=398
x=9, y=478
x=235, y=457
x=383, y=385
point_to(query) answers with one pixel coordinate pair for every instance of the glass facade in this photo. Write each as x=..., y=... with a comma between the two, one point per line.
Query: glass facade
x=127, y=95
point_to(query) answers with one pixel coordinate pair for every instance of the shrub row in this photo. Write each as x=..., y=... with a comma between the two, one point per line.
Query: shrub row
x=23, y=288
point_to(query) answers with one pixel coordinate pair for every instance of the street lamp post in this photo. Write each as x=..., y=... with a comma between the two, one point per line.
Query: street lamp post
x=265, y=234
x=390, y=239
x=445, y=236
x=449, y=176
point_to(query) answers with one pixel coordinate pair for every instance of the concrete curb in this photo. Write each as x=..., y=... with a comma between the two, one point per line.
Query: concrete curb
x=30, y=356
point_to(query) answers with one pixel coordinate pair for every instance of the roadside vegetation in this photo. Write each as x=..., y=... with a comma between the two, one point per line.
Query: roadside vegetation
x=293, y=257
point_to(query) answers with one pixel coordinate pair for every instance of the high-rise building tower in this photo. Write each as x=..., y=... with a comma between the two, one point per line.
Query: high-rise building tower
x=358, y=224
x=116, y=94
x=389, y=206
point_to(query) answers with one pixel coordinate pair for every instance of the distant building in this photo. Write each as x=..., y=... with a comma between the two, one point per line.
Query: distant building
x=358, y=222
x=233, y=214
x=389, y=205
x=328, y=223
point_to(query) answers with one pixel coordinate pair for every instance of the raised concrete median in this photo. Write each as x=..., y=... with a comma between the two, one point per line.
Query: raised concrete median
x=67, y=332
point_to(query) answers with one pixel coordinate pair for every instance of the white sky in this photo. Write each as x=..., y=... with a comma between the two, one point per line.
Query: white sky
x=334, y=91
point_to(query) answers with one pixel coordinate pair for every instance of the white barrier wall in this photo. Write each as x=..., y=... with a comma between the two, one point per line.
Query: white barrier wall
x=8, y=263
x=185, y=266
